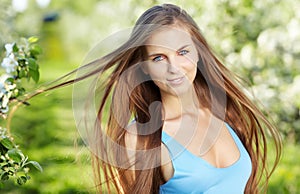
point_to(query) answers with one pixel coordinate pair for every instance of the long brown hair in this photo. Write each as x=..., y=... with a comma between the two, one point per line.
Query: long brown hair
x=112, y=169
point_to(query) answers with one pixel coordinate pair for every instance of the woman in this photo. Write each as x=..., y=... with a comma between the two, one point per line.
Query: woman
x=177, y=121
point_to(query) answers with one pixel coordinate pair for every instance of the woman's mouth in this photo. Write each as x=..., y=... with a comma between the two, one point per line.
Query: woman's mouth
x=175, y=81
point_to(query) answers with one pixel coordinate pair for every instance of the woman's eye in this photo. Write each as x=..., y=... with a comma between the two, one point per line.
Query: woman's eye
x=158, y=58
x=183, y=52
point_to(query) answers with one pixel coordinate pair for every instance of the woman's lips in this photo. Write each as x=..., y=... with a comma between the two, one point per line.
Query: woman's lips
x=176, y=81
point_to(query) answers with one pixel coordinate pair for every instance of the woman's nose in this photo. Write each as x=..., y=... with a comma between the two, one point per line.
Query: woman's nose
x=173, y=66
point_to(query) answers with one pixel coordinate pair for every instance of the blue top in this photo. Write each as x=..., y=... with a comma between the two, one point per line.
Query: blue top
x=194, y=175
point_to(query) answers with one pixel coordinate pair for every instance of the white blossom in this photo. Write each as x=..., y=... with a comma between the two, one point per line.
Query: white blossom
x=9, y=48
x=2, y=90
x=3, y=78
x=20, y=5
x=5, y=100
x=6, y=90
x=43, y=3
x=9, y=63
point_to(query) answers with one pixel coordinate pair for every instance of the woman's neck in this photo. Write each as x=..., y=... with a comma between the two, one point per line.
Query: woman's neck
x=175, y=107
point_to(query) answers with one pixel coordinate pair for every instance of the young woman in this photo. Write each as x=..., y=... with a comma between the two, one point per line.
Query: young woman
x=177, y=122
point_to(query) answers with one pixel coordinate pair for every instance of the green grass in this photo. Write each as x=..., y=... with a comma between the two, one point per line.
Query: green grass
x=46, y=132
x=285, y=179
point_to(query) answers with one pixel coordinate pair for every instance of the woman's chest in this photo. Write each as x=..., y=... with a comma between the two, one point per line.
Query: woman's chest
x=193, y=174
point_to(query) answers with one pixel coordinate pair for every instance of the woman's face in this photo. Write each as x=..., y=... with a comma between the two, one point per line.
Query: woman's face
x=172, y=60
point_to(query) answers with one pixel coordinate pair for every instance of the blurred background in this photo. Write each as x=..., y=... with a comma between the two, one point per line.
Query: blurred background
x=258, y=40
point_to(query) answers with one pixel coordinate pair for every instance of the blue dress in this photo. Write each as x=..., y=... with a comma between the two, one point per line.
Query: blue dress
x=193, y=175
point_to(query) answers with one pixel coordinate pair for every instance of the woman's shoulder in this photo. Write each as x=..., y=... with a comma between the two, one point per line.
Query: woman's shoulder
x=131, y=136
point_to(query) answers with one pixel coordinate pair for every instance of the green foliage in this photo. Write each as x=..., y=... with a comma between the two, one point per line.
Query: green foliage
x=20, y=62
x=26, y=55
x=13, y=163
x=46, y=131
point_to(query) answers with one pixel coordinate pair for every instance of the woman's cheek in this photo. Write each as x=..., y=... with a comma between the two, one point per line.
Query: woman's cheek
x=157, y=71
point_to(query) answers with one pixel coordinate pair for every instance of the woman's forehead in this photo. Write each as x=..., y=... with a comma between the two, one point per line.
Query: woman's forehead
x=169, y=37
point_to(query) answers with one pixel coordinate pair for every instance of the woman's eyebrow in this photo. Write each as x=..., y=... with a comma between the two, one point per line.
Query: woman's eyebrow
x=155, y=54
x=183, y=47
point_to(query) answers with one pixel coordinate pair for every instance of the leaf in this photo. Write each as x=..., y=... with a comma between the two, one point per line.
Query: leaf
x=15, y=48
x=4, y=176
x=20, y=92
x=21, y=180
x=33, y=39
x=6, y=142
x=15, y=155
x=32, y=64
x=35, y=165
x=34, y=74
x=10, y=80
x=3, y=150
x=35, y=50
x=22, y=73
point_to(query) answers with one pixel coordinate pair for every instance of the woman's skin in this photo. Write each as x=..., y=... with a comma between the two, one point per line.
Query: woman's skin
x=172, y=65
